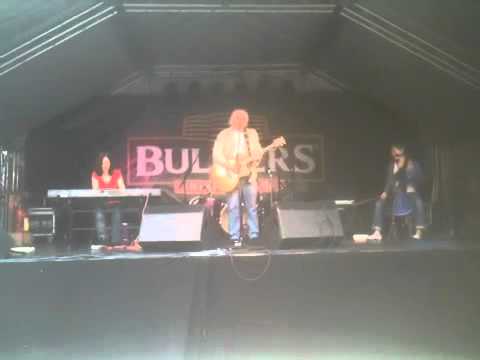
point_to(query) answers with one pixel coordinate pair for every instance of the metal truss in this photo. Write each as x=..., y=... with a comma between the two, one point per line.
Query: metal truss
x=353, y=11
x=413, y=44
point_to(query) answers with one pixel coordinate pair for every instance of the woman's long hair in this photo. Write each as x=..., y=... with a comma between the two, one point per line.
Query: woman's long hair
x=401, y=176
x=98, y=164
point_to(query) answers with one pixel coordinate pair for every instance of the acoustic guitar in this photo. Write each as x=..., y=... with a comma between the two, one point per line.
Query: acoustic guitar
x=226, y=179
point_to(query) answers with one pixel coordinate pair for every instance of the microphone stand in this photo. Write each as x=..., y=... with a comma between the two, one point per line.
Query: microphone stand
x=240, y=190
x=289, y=188
x=186, y=175
x=293, y=178
x=270, y=175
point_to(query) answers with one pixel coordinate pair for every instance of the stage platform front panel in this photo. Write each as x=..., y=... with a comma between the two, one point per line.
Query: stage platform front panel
x=418, y=300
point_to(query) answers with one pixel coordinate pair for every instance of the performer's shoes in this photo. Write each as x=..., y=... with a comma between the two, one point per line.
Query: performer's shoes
x=375, y=236
x=237, y=243
x=418, y=235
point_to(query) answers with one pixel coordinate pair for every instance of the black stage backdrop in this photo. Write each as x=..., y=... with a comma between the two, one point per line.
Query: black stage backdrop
x=346, y=137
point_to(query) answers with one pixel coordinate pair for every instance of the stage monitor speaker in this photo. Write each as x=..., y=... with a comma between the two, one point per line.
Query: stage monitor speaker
x=308, y=224
x=172, y=227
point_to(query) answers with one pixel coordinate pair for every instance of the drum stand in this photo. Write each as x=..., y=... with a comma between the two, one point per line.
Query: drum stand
x=240, y=213
x=288, y=190
x=270, y=176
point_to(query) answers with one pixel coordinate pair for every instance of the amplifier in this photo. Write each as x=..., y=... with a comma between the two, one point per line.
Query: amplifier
x=41, y=222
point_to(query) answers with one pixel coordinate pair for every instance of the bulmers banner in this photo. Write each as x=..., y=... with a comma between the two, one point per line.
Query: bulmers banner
x=179, y=161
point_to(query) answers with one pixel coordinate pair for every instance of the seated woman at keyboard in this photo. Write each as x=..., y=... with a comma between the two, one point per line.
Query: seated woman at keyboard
x=104, y=178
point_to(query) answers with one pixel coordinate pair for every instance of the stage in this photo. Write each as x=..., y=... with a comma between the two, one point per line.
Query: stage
x=173, y=127
x=410, y=299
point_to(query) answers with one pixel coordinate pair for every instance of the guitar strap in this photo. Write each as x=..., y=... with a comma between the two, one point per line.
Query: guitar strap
x=247, y=142
x=249, y=151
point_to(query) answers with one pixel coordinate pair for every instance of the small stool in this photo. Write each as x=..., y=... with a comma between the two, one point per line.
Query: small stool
x=402, y=211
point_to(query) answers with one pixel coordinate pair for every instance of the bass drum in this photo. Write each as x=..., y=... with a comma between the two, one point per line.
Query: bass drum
x=223, y=216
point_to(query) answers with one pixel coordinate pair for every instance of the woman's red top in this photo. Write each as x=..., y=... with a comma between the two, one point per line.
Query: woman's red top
x=112, y=184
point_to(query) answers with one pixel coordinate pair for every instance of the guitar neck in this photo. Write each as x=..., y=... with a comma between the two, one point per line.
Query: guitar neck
x=264, y=150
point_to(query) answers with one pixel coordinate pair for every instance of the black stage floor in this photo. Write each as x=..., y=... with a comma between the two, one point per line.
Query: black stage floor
x=403, y=300
x=344, y=247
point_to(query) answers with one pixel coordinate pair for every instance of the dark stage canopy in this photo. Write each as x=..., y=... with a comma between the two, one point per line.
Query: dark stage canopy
x=419, y=58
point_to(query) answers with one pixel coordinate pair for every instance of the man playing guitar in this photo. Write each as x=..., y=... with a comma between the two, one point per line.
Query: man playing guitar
x=236, y=154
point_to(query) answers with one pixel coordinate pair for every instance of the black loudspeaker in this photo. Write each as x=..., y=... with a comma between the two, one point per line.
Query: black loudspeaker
x=172, y=227
x=6, y=242
x=308, y=224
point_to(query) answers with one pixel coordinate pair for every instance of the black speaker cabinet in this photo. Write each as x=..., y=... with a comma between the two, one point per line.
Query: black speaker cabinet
x=308, y=224
x=172, y=227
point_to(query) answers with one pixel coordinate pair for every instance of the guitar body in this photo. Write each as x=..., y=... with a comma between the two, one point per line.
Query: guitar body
x=223, y=180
